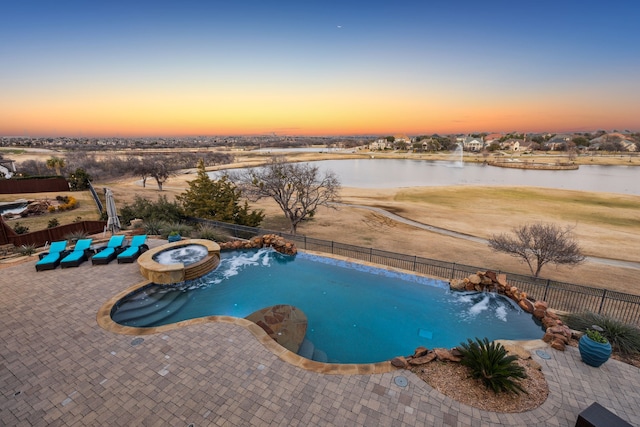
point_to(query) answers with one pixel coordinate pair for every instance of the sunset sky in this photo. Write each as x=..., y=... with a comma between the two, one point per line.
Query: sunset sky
x=165, y=68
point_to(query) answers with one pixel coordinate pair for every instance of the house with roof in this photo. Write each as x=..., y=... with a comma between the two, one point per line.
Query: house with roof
x=470, y=143
x=380, y=144
x=511, y=144
x=557, y=142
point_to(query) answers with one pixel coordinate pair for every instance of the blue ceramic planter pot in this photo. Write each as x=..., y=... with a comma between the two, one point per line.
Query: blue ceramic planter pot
x=593, y=353
x=175, y=238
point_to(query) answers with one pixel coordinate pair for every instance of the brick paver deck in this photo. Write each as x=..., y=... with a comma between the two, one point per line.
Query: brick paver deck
x=58, y=367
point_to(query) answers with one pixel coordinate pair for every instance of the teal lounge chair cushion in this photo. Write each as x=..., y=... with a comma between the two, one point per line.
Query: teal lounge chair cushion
x=50, y=261
x=79, y=251
x=105, y=253
x=134, y=247
x=50, y=258
x=114, y=243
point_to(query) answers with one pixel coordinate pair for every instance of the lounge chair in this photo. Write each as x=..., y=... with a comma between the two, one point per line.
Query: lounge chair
x=133, y=251
x=107, y=254
x=50, y=260
x=80, y=254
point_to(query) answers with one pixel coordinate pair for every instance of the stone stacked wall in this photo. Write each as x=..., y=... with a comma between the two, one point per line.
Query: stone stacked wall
x=268, y=240
x=557, y=333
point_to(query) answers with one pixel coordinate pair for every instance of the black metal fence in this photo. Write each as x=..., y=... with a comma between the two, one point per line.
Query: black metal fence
x=559, y=295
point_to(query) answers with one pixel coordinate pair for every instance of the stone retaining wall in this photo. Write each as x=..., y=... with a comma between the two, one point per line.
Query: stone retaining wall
x=268, y=240
x=557, y=333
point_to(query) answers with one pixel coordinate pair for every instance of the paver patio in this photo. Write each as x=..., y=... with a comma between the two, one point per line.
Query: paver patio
x=58, y=367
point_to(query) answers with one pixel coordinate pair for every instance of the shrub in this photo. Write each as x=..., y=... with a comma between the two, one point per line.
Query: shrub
x=27, y=250
x=624, y=338
x=68, y=203
x=20, y=229
x=489, y=362
x=176, y=228
x=53, y=222
x=211, y=233
x=153, y=227
x=79, y=180
x=161, y=210
x=76, y=235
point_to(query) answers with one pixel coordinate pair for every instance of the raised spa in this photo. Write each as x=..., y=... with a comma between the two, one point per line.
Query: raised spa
x=179, y=261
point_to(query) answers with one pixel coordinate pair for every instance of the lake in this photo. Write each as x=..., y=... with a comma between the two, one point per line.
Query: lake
x=398, y=173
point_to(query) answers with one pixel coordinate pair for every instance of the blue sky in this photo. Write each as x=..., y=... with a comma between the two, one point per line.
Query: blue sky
x=317, y=67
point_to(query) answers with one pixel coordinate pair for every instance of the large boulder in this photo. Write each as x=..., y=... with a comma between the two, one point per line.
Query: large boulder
x=445, y=355
x=457, y=285
x=399, y=362
x=423, y=359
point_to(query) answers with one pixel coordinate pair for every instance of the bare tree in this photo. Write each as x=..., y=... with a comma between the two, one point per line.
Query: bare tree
x=298, y=188
x=538, y=244
x=158, y=169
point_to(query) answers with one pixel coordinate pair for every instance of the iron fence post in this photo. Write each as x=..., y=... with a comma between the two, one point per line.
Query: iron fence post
x=604, y=295
x=370, y=254
x=415, y=262
x=453, y=270
x=546, y=288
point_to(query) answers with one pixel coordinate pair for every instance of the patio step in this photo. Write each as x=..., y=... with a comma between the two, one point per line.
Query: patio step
x=306, y=349
x=320, y=356
x=309, y=351
x=146, y=308
x=144, y=298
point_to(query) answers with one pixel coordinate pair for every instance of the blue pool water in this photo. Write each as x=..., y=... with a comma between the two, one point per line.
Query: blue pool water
x=356, y=313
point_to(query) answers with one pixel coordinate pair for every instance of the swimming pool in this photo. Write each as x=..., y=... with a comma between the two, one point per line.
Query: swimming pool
x=356, y=313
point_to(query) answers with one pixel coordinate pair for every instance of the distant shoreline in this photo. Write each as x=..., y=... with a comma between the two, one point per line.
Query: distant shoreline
x=534, y=166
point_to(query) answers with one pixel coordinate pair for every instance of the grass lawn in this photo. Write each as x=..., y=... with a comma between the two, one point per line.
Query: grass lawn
x=86, y=209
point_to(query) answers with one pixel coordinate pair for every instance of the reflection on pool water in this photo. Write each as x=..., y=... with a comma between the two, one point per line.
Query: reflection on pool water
x=188, y=254
x=356, y=313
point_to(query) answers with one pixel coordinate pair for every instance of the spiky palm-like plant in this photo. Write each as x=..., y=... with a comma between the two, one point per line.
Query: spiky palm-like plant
x=489, y=362
x=624, y=337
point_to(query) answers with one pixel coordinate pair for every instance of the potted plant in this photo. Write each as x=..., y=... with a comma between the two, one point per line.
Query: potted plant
x=174, y=236
x=594, y=348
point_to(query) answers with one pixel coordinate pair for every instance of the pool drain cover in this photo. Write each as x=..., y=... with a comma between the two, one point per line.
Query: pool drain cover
x=401, y=381
x=137, y=341
x=543, y=354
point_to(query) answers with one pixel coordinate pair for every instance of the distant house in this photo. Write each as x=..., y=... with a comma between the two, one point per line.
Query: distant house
x=625, y=144
x=511, y=144
x=629, y=145
x=401, y=141
x=470, y=143
x=380, y=144
x=557, y=142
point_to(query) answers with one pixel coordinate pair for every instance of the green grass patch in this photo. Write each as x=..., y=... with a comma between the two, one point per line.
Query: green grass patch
x=15, y=151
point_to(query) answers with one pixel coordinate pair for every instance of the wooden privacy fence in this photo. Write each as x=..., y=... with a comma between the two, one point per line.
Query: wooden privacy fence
x=33, y=185
x=42, y=237
x=560, y=295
